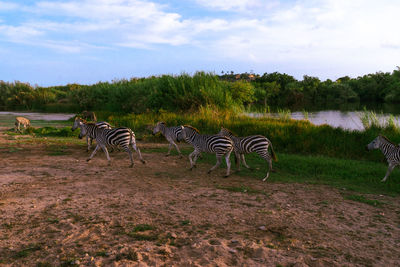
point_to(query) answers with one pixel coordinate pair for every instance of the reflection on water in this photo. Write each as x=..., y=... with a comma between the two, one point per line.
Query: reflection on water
x=39, y=116
x=350, y=120
x=345, y=120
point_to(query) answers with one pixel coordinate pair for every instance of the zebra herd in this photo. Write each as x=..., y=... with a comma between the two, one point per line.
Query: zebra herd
x=222, y=144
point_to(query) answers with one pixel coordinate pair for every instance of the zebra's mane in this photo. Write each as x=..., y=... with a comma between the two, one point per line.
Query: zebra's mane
x=162, y=122
x=229, y=131
x=81, y=119
x=385, y=138
x=191, y=127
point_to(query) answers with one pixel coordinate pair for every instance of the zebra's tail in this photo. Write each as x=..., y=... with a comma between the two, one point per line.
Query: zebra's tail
x=132, y=137
x=274, y=157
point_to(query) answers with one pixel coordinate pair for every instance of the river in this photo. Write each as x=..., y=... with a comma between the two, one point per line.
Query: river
x=349, y=120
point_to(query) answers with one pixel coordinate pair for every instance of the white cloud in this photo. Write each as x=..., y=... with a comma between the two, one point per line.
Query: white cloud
x=238, y=5
x=299, y=32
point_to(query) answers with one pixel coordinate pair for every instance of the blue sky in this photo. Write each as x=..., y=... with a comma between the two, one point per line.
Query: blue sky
x=86, y=41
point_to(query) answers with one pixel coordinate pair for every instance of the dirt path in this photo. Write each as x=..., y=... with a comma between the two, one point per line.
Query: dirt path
x=56, y=209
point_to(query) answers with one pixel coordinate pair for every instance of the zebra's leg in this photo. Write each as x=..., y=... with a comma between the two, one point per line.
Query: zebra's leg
x=107, y=155
x=169, y=149
x=177, y=149
x=89, y=143
x=244, y=161
x=237, y=161
x=269, y=159
x=193, y=162
x=138, y=151
x=390, y=169
x=128, y=150
x=218, y=156
x=93, y=153
x=228, y=163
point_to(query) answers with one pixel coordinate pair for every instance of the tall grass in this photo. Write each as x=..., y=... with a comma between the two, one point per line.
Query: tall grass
x=370, y=119
x=286, y=135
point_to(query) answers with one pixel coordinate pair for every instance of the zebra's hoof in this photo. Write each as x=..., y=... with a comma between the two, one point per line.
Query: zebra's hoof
x=208, y=172
x=143, y=161
x=88, y=160
x=131, y=166
x=167, y=155
x=226, y=176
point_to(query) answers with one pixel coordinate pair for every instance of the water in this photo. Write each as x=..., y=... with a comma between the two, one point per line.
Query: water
x=38, y=116
x=350, y=120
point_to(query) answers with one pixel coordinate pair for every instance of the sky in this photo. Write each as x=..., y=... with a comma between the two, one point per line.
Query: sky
x=86, y=41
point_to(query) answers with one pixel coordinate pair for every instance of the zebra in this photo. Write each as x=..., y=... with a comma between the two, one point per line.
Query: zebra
x=248, y=144
x=21, y=121
x=220, y=145
x=390, y=150
x=122, y=137
x=172, y=134
x=89, y=136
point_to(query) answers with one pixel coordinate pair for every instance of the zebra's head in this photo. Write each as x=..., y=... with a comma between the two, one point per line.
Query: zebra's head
x=225, y=132
x=375, y=143
x=158, y=127
x=79, y=123
x=76, y=123
x=188, y=132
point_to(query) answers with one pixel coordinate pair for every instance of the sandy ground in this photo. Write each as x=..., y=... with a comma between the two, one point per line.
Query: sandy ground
x=58, y=210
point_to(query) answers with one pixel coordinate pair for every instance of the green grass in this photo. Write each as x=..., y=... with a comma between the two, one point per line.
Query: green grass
x=354, y=175
x=363, y=199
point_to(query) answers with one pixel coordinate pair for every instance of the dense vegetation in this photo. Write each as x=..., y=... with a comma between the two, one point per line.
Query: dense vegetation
x=190, y=92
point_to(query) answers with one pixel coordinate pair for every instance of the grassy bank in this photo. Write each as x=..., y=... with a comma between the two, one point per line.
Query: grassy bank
x=286, y=135
x=353, y=177
x=348, y=175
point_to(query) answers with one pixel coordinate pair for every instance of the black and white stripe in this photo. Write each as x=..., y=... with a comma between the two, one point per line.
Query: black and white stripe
x=390, y=150
x=89, y=136
x=254, y=143
x=220, y=145
x=122, y=137
x=172, y=134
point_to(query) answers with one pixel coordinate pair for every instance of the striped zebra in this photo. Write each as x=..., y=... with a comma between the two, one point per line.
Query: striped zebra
x=122, y=137
x=390, y=150
x=220, y=145
x=172, y=134
x=248, y=144
x=89, y=136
